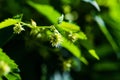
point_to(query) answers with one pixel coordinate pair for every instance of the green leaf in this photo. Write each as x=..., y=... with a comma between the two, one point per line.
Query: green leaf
x=46, y=10
x=93, y=53
x=73, y=49
x=69, y=27
x=18, y=17
x=103, y=28
x=81, y=35
x=84, y=60
x=8, y=22
x=13, y=76
x=94, y=3
x=12, y=65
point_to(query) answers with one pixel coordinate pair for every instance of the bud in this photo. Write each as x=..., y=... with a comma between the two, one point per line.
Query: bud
x=4, y=68
x=72, y=37
x=39, y=35
x=18, y=28
x=34, y=31
x=33, y=23
x=60, y=19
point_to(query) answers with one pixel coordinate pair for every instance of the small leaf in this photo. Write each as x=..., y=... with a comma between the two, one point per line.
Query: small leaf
x=46, y=10
x=93, y=53
x=69, y=27
x=8, y=22
x=18, y=17
x=84, y=60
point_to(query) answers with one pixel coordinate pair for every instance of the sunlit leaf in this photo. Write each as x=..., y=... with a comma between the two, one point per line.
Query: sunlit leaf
x=46, y=10
x=84, y=60
x=8, y=22
x=81, y=35
x=71, y=47
x=74, y=50
x=94, y=3
x=93, y=53
x=69, y=27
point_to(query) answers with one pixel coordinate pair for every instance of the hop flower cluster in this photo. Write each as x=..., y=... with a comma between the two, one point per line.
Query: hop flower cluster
x=18, y=28
x=56, y=39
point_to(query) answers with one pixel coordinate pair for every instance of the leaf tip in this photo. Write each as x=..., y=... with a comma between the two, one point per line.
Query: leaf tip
x=93, y=53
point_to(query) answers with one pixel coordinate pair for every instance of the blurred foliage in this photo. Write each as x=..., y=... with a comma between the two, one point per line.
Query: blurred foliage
x=61, y=40
x=8, y=68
